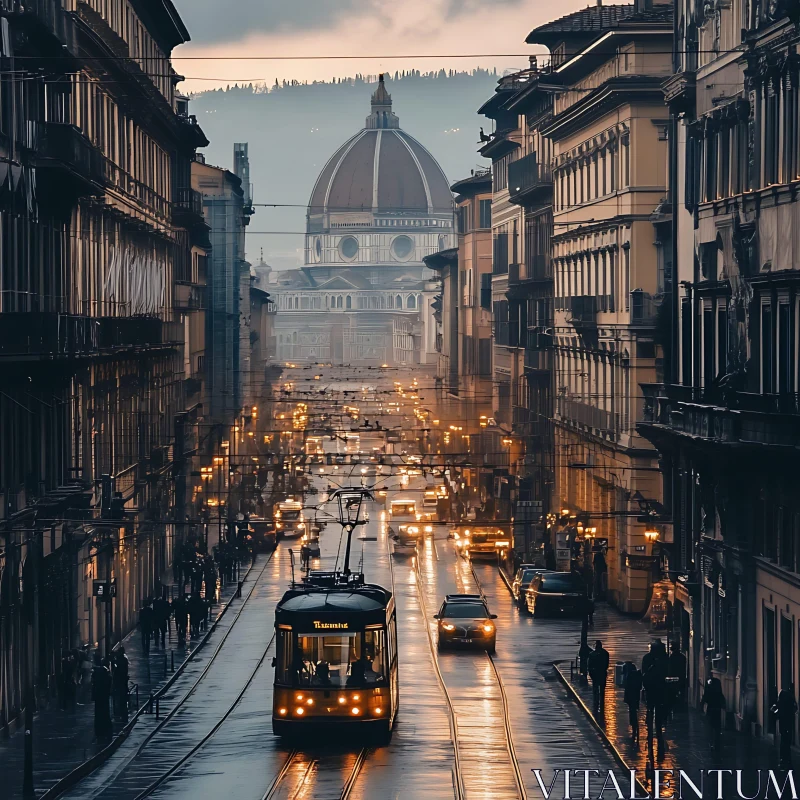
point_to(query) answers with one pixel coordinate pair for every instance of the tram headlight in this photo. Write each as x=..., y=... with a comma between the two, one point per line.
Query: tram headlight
x=448, y=627
x=309, y=702
x=377, y=711
x=300, y=711
x=355, y=711
x=299, y=698
x=342, y=701
x=282, y=712
x=356, y=697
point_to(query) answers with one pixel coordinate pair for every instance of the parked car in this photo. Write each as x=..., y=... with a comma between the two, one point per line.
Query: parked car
x=558, y=593
x=522, y=580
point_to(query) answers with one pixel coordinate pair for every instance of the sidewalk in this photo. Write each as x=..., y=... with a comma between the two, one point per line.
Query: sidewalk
x=63, y=740
x=686, y=737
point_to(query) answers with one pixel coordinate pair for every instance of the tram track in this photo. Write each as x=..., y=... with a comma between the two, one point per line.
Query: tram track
x=300, y=773
x=504, y=697
x=140, y=756
x=458, y=781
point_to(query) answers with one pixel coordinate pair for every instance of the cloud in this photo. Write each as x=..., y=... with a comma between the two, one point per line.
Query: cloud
x=207, y=23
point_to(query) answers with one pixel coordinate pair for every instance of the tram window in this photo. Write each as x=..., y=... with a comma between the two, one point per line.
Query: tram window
x=393, y=634
x=285, y=646
x=323, y=660
x=375, y=656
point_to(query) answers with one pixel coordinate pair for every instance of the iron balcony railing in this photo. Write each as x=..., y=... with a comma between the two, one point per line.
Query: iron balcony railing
x=587, y=415
x=527, y=177
x=189, y=201
x=65, y=147
x=49, y=16
x=583, y=310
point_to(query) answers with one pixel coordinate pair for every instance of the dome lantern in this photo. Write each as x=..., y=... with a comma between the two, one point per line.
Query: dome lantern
x=382, y=116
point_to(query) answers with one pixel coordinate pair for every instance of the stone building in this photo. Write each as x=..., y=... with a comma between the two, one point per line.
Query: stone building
x=364, y=296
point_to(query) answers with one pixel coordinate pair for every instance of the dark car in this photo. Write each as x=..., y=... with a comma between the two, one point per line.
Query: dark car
x=464, y=619
x=558, y=593
x=522, y=580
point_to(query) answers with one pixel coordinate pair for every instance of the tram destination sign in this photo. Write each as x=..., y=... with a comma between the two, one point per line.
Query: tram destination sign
x=331, y=626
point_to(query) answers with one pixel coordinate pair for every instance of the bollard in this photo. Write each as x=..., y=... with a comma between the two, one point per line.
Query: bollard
x=150, y=704
x=157, y=708
x=172, y=660
x=165, y=662
x=239, y=589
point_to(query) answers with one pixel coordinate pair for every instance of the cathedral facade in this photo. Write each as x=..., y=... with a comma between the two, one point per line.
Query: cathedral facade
x=364, y=296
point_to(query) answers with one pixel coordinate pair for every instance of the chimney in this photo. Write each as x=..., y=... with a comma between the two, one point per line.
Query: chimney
x=599, y=3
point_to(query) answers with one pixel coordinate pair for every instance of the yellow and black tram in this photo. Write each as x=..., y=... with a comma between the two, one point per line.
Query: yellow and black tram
x=336, y=657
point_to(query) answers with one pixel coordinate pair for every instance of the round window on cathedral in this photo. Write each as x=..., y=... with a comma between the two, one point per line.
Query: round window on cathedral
x=402, y=247
x=348, y=248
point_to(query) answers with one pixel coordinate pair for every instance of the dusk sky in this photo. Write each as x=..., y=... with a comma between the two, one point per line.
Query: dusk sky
x=353, y=27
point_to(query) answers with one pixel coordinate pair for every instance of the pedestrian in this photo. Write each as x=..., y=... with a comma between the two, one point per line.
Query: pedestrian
x=785, y=710
x=67, y=684
x=210, y=579
x=713, y=702
x=181, y=611
x=146, y=626
x=196, y=612
x=597, y=664
x=677, y=669
x=119, y=675
x=161, y=615
x=633, y=693
x=654, y=681
x=600, y=569
x=101, y=692
x=85, y=676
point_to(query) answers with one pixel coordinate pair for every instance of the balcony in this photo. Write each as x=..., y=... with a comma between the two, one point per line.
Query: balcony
x=68, y=160
x=538, y=360
x=43, y=335
x=135, y=333
x=740, y=418
x=48, y=17
x=189, y=297
x=528, y=180
x=643, y=308
x=188, y=206
x=582, y=311
x=586, y=415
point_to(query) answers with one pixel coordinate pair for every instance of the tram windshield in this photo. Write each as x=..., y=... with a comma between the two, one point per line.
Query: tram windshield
x=340, y=660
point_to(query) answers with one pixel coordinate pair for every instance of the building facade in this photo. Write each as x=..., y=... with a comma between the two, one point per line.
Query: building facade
x=727, y=421
x=102, y=251
x=364, y=296
x=609, y=173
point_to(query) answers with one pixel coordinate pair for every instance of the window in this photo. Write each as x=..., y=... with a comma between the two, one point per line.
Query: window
x=708, y=346
x=463, y=218
x=486, y=291
x=785, y=377
x=339, y=301
x=398, y=302
x=411, y=302
x=348, y=302
x=722, y=340
x=767, y=350
x=485, y=214
x=402, y=247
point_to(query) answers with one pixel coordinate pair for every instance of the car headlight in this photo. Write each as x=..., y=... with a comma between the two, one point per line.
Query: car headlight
x=448, y=627
x=487, y=627
x=429, y=529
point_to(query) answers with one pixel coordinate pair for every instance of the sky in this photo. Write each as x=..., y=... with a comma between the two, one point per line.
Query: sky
x=253, y=29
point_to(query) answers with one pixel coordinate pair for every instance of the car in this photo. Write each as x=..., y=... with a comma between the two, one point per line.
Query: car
x=464, y=619
x=522, y=580
x=558, y=593
x=340, y=458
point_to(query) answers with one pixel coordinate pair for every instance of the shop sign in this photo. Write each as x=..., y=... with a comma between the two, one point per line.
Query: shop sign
x=644, y=563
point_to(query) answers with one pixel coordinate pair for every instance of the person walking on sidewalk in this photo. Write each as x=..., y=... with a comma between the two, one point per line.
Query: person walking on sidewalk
x=633, y=694
x=181, y=611
x=713, y=702
x=161, y=615
x=101, y=692
x=598, y=672
x=197, y=611
x=146, y=626
x=119, y=675
x=786, y=709
x=654, y=681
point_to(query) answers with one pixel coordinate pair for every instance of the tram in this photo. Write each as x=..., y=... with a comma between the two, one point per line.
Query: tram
x=336, y=657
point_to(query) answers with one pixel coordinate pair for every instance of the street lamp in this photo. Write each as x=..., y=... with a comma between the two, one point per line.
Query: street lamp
x=651, y=534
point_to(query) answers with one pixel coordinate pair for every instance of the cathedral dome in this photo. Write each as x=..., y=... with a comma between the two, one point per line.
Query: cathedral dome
x=381, y=170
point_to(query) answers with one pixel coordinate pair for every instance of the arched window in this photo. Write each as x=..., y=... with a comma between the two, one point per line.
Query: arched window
x=382, y=302
x=297, y=302
x=327, y=301
x=294, y=337
x=373, y=302
x=339, y=301
x=349, y=302
x=411, y=302
x=398, y=302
